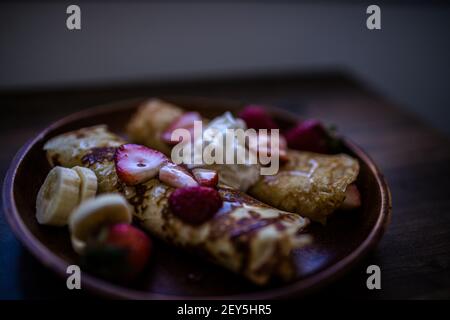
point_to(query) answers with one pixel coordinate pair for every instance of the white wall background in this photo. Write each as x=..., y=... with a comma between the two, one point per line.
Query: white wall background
x=408, y=60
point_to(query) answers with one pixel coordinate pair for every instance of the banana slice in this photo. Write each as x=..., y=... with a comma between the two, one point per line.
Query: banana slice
x=88, y=187
x=94, y=213
x=58, y=196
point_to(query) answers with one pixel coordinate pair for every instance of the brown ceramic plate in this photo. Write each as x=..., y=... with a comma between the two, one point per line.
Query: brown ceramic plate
x=173, y=273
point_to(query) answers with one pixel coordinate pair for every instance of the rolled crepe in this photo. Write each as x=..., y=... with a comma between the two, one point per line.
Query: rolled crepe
x=245, y=235
x=150, y=120
x=310, y=184
x=91, y=147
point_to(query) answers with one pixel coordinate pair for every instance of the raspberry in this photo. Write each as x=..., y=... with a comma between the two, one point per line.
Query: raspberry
x=195, y=205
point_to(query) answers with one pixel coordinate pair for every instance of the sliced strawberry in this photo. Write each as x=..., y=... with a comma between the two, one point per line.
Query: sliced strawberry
x=308, y=135
x=264, y=146
x=176, y=176
x=257, y=117
x=206, y=177
x=136, y=164
x=185, y=121
x=352, y=198
x=195, y=205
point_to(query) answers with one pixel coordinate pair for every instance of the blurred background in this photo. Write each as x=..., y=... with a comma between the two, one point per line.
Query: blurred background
x=134, y=41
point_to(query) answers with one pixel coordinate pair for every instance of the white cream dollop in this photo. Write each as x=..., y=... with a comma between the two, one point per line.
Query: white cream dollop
x=238, y=176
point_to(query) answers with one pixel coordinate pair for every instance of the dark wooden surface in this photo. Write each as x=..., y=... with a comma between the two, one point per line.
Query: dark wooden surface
x=414, y=255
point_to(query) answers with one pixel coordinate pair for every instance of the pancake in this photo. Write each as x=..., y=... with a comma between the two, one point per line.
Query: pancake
x=310, y=184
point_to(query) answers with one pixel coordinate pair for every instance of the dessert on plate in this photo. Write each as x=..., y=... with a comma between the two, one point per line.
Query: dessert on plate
x=109, y=189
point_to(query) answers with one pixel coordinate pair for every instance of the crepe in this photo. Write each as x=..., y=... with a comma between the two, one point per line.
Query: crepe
x=91, y=147
x=310, y=184
x=150, y=120
x=245, y=235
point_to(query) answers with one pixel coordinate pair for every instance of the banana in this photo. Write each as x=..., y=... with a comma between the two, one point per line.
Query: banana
x=88, y=186
x=58, y=196
x=94, y=213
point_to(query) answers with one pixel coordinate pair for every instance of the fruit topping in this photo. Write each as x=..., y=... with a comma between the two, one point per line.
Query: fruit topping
x=119, y=252
x=257, y=117
x=58, y=196
x=185, y=121
x=264, y=146
x=136, y=164
x=176, y=176
x=308, y=135
x=93, y=214
x=352, y=198
x=206, y=177
x=88, y=182
x=195, y=205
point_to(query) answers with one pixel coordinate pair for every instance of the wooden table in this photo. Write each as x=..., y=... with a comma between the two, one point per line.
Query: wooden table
x=414, y=255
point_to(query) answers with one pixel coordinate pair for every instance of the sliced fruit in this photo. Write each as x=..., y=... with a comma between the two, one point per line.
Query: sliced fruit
x=176, y=176
x=195, y=205
x=93, y=214
x=308, y=135
x=185, y=121
x=206, y=177
x=352, y=198
x=88, y=185
x=58, y=196
x=257, y=117
x=136, y=164
x=264, y=146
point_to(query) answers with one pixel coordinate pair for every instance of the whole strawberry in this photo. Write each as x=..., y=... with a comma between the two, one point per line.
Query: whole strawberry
x=257, y=117
x=308, y=135
x=120, y=252
x=195, y=205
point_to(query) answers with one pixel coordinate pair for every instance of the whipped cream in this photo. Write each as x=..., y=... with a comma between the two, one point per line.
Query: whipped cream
x=238, y=176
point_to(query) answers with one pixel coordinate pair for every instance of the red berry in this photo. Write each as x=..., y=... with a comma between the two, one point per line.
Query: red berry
x=134, y=242
x=308, y=135
x=206, y=177
x=195, y=205
x=185, y=121
x=136, y=164
x=257, y=117
x=352, y=198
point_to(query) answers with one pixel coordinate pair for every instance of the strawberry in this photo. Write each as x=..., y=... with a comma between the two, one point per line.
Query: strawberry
x=185, y=121
x=119, y=252
x=308, y=135
x=176, y=176
x=195, y=205
x=257, y=117
x=206, y=177
x=136, y=164
x=264, y=146
x=352, y=198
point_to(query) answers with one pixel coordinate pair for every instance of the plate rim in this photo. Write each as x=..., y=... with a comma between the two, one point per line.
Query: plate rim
x=104, y=288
